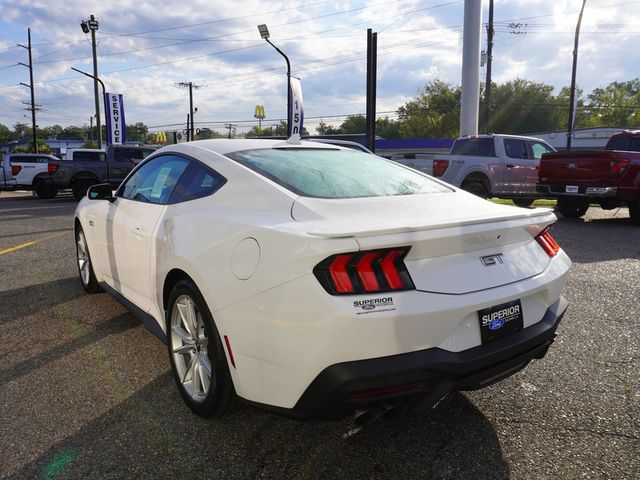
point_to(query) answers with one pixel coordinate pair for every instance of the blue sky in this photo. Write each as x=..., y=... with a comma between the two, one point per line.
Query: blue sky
x=147, y=46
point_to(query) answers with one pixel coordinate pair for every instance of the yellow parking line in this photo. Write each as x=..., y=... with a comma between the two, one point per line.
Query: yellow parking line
x=28, y=244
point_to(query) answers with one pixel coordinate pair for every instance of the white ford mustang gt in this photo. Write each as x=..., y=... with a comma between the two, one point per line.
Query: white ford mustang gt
x=315, y=280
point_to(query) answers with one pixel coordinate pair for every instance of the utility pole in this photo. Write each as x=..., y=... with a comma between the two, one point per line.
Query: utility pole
x=87, y=26
x=487, y=89
x=572, y=97
x=91, y=130
x=372, y=67
x=230, y=127
x=188, y=128
x=191, y=87
x=32, y=106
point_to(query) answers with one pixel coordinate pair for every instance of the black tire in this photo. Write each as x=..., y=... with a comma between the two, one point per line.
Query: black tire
x=87, y=279
x=476, y=187
x=634, y=211
x=572, y=207
x=80, y=187
x=44, y=189
x=221, y=396
x=523, y=202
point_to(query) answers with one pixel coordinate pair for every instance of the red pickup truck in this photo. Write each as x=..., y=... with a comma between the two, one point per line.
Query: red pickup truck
x=609, y=177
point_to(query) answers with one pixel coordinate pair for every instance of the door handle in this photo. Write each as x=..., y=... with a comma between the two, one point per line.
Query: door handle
x=510, y=165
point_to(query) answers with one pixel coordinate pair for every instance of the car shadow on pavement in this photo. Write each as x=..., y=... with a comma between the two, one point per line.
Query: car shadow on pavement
x=112, y=326
x=29, y=300
x=599, y=239
x=152, y=434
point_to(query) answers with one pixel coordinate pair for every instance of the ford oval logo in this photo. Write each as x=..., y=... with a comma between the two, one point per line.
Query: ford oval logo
x=368, y=306
x=496, y=324
x=572, y=165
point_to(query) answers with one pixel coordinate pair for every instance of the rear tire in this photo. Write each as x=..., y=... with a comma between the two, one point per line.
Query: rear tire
x=197, y=357
x=44, y=189
x=634, y=211
x=572, y=207
x=523, y=202
x=476, y=187
x=80, y=187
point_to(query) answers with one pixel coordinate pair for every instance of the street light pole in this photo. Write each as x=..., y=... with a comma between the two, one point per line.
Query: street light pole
x=87, y=26
x=264, y=33
x=104, y=96
x=572, y=96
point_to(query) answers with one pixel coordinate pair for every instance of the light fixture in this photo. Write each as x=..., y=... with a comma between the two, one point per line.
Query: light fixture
x=264, y=31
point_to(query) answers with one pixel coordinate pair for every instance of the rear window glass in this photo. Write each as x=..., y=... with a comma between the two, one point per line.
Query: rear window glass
x=90, y=156
x=131, y=155
x=480, y=147
x=335, y=173
x=625, y=143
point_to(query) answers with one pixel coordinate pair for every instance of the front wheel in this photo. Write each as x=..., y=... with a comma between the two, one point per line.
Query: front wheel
x=80, y=187
x=572, y=207
x=196, y=353
x=85, y=266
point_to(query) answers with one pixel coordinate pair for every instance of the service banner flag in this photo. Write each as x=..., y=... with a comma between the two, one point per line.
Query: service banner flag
x=115, y=118
x=297, y=109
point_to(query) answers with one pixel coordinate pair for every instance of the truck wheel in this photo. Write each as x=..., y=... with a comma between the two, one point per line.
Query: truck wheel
x=634, y=211
x=522, y=202
x=81, y=186
x=572, y=207
x=475, y=187
x=45, y=189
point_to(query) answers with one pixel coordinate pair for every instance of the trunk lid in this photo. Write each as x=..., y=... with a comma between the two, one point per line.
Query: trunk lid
x=459, y=243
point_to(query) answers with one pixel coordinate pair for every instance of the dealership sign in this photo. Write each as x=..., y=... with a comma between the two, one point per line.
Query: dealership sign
x=115, y=118
x=297, y=111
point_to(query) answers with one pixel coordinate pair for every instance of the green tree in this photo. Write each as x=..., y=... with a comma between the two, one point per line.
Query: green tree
x=207, y=133
x=137, y=132
x=354, y=124
x=21, y=130
x=435, y=113
x=5, y=133
x=387, y=128
x=73, y=132
x=616, y=105
x=325, y=129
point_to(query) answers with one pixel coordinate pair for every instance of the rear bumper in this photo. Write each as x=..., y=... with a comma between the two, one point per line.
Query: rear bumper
x=420, y=379
x=585, y=191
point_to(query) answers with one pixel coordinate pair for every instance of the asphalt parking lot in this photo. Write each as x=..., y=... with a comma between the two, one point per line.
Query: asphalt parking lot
x=86, y=391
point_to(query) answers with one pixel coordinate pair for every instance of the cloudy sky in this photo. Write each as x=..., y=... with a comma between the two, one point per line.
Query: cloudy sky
x=145, y=47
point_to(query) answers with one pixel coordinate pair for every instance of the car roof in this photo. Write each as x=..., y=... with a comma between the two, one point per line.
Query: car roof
x=224, y=146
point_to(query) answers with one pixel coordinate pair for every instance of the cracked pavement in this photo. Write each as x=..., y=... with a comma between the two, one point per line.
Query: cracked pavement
x=85, y=390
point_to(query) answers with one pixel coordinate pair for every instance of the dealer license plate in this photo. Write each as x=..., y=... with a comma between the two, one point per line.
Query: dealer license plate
x=500, y=320
x=571, y=189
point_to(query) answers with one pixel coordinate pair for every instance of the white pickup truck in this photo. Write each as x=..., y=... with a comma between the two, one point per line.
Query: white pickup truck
x=504, y=166
x=26, y=171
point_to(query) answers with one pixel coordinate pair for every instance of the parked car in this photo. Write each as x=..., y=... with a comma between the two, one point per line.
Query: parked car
x=609, y=177
x=314, y=280
x=504, y=166
x=418, y=161
x=89, y=167
x=28, y=171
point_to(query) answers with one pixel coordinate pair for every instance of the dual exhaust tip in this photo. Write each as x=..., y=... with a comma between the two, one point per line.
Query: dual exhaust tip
x=383, y=411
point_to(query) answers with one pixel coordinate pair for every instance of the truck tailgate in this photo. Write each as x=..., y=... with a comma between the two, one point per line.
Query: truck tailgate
x=577, y=167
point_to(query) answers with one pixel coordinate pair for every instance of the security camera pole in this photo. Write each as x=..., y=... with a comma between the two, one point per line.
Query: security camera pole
x=264, y=33
x=572, y=94
x=104, y=96
x=87, y=26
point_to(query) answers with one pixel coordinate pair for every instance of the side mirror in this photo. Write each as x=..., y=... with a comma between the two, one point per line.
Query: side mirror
x=101, y=191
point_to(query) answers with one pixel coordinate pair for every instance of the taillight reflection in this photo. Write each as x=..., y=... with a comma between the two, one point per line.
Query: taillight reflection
x=439, y=167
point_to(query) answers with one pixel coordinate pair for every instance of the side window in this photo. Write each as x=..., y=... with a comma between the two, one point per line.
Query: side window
x=620, y=143
x=90, y=156
x=155, y=180
x=43, y=160
x=538, y=149
x=515, y=148
x=131, y=155
x=197, y=182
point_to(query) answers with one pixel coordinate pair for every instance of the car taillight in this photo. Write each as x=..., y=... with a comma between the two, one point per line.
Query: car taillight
x=439, y=167
x=548, y=244
x=373, y=271
x=15, y=169
x=52, y=168
x=618, y=167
